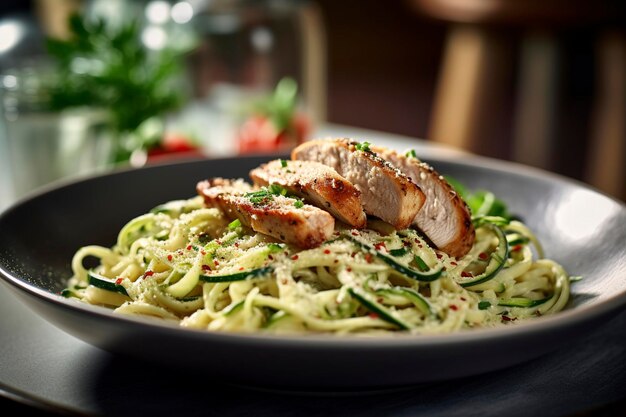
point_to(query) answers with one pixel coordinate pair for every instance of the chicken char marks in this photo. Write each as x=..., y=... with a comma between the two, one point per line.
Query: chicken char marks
x=385, y=191
x=317, y=184
x=445, y=218
x=278, y=216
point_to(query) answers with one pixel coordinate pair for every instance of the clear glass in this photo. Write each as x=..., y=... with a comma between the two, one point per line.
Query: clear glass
x=38, y=146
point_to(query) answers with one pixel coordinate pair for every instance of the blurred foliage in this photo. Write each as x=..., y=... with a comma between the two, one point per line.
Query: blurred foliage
x=107, y=67
x=280, y=106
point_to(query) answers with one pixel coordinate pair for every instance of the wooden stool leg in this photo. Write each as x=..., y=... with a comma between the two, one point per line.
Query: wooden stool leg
x=533, y=130
x=606, y=168
x=458, y=87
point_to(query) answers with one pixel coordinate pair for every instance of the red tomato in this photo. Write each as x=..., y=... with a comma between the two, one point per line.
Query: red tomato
x=258, y=134
x=174, y=145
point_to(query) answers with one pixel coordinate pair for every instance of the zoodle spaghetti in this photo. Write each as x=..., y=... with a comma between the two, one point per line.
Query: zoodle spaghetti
x=190, y=264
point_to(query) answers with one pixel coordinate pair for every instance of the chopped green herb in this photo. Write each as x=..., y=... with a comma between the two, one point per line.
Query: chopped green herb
x=398, y=252
x=277, y=189
x=260, y=197
x=274, y=247
x=365, y=147
x=234, y=224
x=484, y=305
x=411, y=153
x=283, y=163
x=298, y=204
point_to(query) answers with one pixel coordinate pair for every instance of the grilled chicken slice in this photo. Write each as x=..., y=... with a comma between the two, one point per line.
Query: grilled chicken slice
x=274, y=215
x=445, y=218
x=317, y=184
x=385, y=191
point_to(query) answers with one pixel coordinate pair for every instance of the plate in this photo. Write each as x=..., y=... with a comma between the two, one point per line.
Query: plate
x=579, y=227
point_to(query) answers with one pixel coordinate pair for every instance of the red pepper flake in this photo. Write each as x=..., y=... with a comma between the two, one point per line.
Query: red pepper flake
x=270, y=257
x=203, y=252
x=354, y=233
x=516, y=248
x=466, y=274
x=219, y=242
x=453, y=307
x=378, y=246
x=507, y=318
x=149, y=273
x=373, y=315
x=336, y=261
x=369, y=258
x=453, y=263
x=188, y=247
x=119, y=280
x=180, y=252
x=215, y=262
x=439, y=256
x=241, y=268
x=353, y=254
x=349, y=269
x=416, y=240
x=294, y=257
x=483, y=256
x=406, y=243
x=169, y=257
x=327, y=251
x=205, y=267
x=463, y=299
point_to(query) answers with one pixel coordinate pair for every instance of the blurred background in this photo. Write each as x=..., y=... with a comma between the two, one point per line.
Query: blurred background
x=89, y=85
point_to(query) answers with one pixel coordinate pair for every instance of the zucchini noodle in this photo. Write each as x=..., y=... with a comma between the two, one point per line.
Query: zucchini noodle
x=187, y=264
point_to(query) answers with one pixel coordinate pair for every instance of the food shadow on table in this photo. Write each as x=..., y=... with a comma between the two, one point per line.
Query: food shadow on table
x=589, y=373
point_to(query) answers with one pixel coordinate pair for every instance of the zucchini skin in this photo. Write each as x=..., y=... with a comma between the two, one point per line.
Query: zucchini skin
x=238, y=276
x=104, y=283
x=498, y=259
x=403, y=270
x=377, y=309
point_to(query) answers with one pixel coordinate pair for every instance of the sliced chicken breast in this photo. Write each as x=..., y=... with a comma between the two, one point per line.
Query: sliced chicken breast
x=445, y=218
x=317, y=184
x=385, y=191
x=283, y=218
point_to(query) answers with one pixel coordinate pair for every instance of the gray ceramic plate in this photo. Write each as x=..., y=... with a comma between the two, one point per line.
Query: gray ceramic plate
x=580, y=228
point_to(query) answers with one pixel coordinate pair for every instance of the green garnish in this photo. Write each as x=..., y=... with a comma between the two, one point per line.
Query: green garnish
x=283, y=163
x=411, y=153
x=274, y=247
x=298, y=204
x=484, y=305
x=365, y=146
x=234, y=224
x=398, y=252
x=259, y=197
x=481, y=202
x=277, y=190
